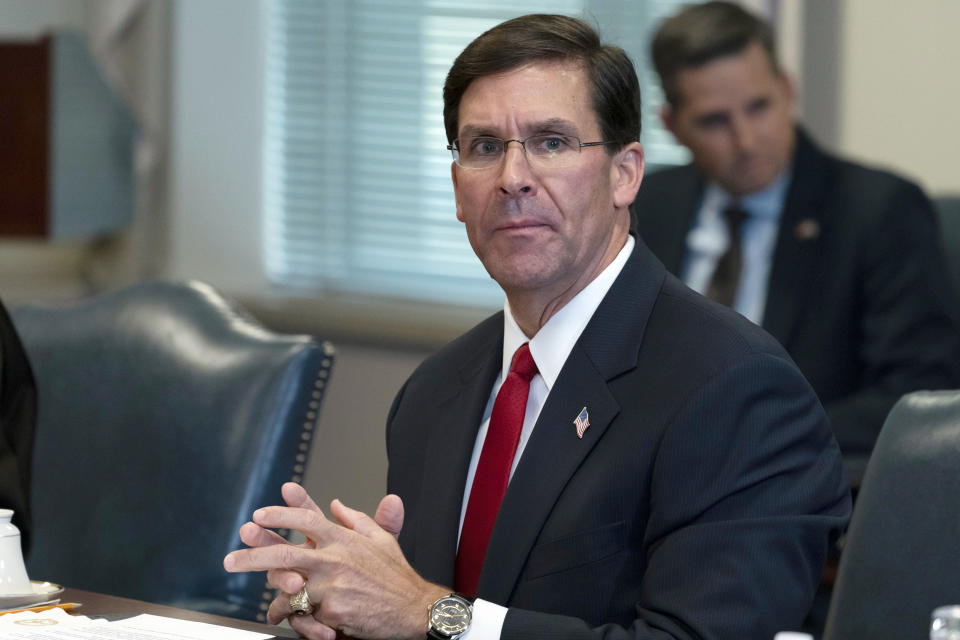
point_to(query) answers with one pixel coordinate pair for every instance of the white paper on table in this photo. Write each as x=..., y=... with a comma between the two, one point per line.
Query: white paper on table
x=172, y=628
x=24, y=621
x=142, y=627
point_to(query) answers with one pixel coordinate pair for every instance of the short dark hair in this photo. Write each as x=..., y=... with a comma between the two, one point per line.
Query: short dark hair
x=702, y=33
x=554, y=38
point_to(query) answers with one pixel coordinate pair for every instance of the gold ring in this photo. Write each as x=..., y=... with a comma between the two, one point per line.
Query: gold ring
x=300, y=603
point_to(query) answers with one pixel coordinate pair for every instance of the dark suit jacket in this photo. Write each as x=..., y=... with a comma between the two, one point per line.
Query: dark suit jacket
x=699, y=502
x=17, y=422
x=864, y=307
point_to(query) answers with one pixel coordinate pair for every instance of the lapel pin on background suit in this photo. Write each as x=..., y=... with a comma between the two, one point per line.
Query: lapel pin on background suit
x=807, y=229
x=581, y=422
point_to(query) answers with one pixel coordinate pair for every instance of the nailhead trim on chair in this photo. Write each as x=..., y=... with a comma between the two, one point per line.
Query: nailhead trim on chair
x=310, y=424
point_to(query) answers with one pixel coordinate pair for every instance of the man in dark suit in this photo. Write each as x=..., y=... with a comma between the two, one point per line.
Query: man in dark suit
x=18, y=412
x=611, y=456
x=839, y=262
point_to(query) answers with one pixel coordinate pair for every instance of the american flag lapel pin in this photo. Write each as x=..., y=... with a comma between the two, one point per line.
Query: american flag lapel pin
x=581, y=422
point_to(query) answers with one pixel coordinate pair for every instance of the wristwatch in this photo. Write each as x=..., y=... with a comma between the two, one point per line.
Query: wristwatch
x=450, y=617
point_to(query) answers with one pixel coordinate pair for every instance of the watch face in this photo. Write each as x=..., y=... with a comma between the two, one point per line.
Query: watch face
x=450, y=616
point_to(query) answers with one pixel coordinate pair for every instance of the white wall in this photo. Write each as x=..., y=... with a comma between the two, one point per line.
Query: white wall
x=901, y=87
x=216, y=130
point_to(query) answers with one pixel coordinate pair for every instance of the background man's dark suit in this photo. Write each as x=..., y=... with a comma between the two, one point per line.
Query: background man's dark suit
x=705, y=486
x=858, y=291
x=17, y=421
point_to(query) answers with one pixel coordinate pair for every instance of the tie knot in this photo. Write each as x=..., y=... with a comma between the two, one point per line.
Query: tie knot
x=735, y=217
x=523, y=364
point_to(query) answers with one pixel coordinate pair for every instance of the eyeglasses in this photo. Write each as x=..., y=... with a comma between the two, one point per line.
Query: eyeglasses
x=548, y=150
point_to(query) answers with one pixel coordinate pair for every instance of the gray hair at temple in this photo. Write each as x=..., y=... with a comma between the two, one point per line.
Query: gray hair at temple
x=615, y=92
x=702, y=33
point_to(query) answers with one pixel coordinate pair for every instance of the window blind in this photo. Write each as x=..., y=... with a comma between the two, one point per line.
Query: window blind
x=357, y=191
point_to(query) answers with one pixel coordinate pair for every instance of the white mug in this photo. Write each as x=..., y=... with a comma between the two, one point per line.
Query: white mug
x=13, y=573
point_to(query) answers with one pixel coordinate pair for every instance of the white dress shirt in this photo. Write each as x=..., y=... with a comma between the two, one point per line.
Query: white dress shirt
x=709, y=238
x=549, y=348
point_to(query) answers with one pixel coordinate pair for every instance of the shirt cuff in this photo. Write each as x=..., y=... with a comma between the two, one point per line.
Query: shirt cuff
x=486, y=622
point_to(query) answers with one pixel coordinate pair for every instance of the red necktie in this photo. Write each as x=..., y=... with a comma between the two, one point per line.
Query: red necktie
x=493, y=469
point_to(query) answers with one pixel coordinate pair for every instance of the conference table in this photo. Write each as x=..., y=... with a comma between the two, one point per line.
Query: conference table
x=114, y=607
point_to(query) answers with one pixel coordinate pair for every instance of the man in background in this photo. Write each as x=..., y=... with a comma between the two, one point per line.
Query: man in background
x=841, y=263
x=17, y=422
x=611, y=456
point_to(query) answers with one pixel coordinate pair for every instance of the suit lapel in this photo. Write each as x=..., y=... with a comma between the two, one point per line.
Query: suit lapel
x=608, y=347
x=457, y=419
x=799, y=241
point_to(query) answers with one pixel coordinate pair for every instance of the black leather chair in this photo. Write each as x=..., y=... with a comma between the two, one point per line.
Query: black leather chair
x=948, y=214
x=902, y=554
x=18, y=417
x=166, y=416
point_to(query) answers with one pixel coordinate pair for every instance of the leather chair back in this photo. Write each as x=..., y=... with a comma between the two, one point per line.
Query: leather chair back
x=166, y=416
x=948, y=214
x=18, y=416
x=901, y=559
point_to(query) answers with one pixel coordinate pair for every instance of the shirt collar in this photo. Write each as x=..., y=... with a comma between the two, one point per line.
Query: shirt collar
x=553, y=342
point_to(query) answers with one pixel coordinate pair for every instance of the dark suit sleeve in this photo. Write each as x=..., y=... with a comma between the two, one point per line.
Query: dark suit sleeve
x=17, y=422
x=909, y=333
x=746, y=491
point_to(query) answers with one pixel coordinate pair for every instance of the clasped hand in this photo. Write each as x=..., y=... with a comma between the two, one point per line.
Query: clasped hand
x=356, y=575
